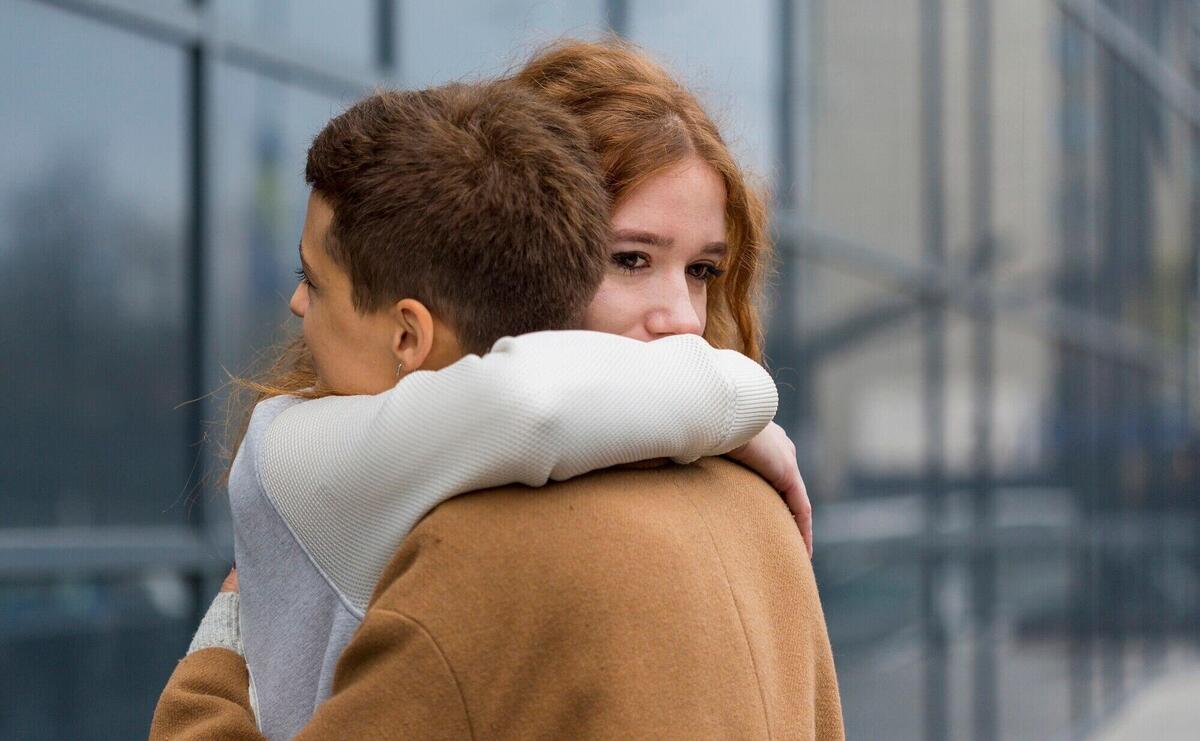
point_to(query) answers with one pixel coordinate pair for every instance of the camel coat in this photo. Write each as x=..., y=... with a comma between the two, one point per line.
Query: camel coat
x=668, y=603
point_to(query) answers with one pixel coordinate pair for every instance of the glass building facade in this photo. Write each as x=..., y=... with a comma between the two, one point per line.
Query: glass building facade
x=982, y=320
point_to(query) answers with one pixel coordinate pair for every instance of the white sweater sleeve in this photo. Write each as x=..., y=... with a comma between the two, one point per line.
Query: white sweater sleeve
x=353, y=475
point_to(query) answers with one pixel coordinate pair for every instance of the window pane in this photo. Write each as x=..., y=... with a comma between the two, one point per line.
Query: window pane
x=88, y=659
x=339, y=31
x=91, y=244
x=262, y=132
x=866, y=126
x=476, y=38
x=732, y=70
x=871, y=606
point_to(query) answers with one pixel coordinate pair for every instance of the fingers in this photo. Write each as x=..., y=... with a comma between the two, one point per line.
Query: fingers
x=806, y=529
x=794, y=490
x=231, y=583
x=797, y=501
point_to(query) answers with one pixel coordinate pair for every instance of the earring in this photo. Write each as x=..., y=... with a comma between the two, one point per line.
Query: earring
x=399, y=368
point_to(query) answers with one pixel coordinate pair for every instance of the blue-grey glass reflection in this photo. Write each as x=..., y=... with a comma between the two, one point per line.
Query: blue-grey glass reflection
x=91, y=228
x=87, y=658
x=341, y=32
x=488, y=37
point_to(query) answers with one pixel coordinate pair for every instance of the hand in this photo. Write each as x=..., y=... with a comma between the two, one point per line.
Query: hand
x=230, y=583
x=772, y=455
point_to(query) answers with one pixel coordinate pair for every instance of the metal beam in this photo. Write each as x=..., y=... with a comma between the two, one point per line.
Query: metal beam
x=233, y=46
x=933, y=563
x=855, y=327
x=616, y=14
x=982, y=563
x=1126, y=536
x=1124, y=42
x=924, y=280
x=31, y=553
x=385, y=35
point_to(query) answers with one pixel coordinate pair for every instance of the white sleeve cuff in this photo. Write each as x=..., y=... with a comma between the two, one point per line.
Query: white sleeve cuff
x=756, y=397
x=219, y=628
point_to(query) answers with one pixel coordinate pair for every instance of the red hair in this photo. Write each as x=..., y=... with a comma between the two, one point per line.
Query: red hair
x=641, y=121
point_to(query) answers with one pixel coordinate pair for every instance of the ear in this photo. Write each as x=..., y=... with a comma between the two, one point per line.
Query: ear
x=412, y=336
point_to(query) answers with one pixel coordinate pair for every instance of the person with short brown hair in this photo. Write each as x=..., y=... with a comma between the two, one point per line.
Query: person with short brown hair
x=466, y=198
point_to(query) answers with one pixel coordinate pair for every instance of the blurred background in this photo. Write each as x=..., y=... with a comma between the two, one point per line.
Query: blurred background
x=984, y=324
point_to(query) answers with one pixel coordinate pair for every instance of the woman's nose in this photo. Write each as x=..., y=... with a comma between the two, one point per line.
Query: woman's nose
x=675, y=313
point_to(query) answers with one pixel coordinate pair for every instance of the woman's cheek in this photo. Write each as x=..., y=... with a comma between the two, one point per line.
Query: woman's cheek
x=614, y=309
x=700, y=302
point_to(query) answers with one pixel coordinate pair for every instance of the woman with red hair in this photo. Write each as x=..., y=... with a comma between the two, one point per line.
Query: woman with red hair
x=651, y=133
x=691, y=247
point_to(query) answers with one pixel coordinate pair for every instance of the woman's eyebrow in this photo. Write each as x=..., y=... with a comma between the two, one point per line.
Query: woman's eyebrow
x=640, y=236
x=643, y=237
x=716, y=249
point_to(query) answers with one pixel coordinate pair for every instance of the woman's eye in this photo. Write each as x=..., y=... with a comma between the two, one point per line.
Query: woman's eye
x=705, y=271
x=303, y=277
x=630, y=261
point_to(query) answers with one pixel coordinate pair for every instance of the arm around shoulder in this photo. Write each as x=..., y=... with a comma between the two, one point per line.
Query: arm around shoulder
x=546, y=405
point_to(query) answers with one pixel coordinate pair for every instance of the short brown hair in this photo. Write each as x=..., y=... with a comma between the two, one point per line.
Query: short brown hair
x=482, y=201
x=642, y=121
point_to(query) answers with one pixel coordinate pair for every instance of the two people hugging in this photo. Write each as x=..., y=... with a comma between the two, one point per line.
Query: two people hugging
x=545, y=281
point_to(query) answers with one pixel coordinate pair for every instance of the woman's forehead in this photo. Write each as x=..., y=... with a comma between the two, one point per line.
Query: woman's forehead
x=686, y=201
